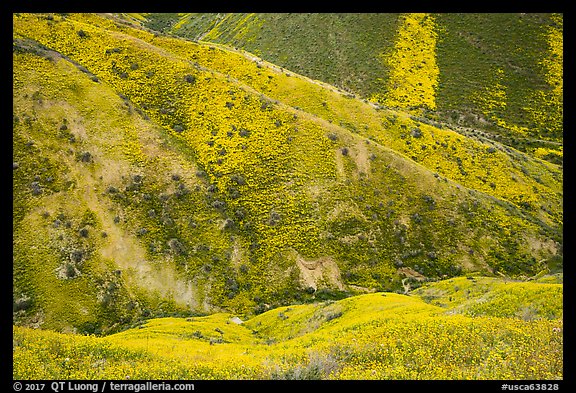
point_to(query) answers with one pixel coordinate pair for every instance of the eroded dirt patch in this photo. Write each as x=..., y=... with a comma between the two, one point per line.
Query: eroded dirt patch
x=319, y=272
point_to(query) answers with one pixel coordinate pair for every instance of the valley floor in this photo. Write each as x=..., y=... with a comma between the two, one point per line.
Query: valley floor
x=461, y=328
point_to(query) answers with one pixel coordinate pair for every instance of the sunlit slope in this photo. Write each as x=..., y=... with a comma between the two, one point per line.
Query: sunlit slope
x=475, y=296
x=484, y=166
x=153, y=175
x=475, y=162
x=79, y=151
x=373, y=336
x=498, y=72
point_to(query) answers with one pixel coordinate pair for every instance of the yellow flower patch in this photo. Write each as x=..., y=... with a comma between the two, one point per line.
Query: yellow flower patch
x=413, y=78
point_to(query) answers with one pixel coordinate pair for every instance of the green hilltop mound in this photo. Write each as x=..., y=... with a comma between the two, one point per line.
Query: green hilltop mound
x=495, y=297
x=246, y=196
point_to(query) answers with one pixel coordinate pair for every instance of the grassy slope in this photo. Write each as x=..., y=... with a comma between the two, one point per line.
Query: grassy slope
x=372, y=336
x=360, y=118
x=72, y=115
x=496, y=70
x=206, y=174
x=491, y=296
x=385, y=127
x=341, y=55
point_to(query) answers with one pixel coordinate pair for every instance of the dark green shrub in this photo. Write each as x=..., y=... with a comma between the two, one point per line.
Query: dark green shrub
x=274, y=218
x=416, y=132
x=176, y=247
x=36, y=189
x=238, y=179
x=84, y=157
x=23, y=303
x=217, y=204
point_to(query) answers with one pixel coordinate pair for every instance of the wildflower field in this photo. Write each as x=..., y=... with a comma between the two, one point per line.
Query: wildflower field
x=188, y=210
x=499, y=72
x=372, y=336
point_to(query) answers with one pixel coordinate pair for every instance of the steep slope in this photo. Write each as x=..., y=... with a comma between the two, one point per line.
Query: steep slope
x=472, y=169
x=75, y=247
x=501, y=73
x=371, y=336
x=156, y=175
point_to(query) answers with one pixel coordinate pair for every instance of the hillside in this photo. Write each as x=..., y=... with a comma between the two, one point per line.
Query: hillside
x=370, y=336
x=156, y=176
x=497, y=73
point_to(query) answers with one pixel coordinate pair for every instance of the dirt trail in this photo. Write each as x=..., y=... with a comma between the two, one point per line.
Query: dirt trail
x=360, y=155
x=340, y=170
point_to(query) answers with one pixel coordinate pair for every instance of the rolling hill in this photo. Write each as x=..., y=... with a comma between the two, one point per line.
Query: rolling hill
x=370, y=336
